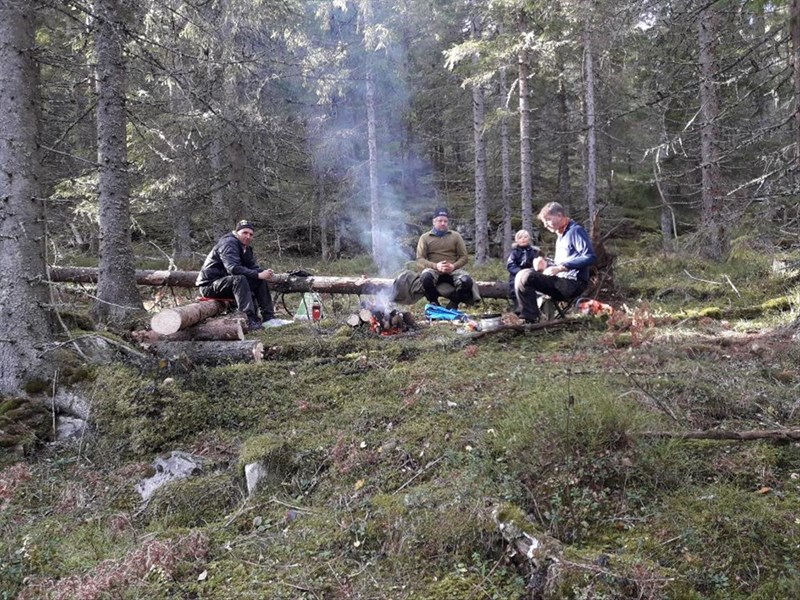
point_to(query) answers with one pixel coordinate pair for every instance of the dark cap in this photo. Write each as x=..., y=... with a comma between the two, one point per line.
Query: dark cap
x=244, y=224
x=441, y=212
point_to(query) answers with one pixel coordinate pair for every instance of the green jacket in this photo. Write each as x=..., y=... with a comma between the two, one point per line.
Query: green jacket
x=432, y=249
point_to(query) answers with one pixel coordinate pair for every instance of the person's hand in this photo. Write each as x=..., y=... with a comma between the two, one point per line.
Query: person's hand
x=266, y=274
x=554, y=270
x=444, y=266
x=539, y=263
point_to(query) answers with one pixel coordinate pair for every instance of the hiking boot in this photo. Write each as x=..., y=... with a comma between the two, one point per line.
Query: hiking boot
x=253, y=324
x=452, y=305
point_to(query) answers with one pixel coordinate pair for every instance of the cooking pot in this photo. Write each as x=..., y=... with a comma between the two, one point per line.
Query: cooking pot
x=490, y=321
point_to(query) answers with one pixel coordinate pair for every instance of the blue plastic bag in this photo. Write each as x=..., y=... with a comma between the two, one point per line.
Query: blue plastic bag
x=434, y=312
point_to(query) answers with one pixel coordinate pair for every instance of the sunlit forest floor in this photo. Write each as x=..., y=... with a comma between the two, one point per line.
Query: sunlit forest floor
x=391, y=457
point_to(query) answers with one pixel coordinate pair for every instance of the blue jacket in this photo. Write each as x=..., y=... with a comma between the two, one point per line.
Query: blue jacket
x=574, y=250
x=228, y=257
x=521, y=258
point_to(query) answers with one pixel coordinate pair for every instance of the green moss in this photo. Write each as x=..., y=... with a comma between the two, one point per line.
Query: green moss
x=470, y=580
x=266, y=448
x=712, y=312
x=727, y=541
x=509, y=513
x=143, y=417
x=392, y=452
x=193, y=501
x=10, y=404
x=76, y=320
x=623, y=339
x=270, y=451
x=24, y=424
x=35, y=386
x=781, y=303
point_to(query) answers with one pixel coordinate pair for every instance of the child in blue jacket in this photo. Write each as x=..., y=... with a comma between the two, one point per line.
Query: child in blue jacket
x=521, y=257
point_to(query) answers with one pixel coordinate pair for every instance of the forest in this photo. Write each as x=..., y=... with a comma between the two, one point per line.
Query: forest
x=649, y=452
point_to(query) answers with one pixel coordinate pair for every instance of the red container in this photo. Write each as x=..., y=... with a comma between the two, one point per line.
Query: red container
x=316, y=311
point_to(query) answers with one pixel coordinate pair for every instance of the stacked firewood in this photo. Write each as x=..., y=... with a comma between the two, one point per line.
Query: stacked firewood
x=197, y=333
x=382, y=320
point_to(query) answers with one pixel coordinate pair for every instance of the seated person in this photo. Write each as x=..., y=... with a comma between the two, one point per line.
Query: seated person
x=441, y=253
x=521, y=257
x=567, y=275
x=230, y=269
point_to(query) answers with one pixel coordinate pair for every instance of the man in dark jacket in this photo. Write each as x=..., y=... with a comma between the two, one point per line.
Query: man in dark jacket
x=565, y=276
x=230, y=269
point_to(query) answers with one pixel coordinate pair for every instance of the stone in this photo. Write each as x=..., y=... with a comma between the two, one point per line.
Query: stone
x=178, y=465
x=70, y=403
x=255, y=474
x=68, y=428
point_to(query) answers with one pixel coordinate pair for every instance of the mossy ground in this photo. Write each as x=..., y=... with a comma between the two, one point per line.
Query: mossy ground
x=395, y=451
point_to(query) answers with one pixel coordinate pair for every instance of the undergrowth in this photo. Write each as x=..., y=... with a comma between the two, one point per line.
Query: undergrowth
x=388, y=456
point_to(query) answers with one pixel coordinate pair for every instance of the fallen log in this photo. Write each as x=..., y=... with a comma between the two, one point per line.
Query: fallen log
x=172, y=320
x=721, y=435
x=89, y=275
x=280, y=282
x=214, y=330
x=211, y=353
x=523, y=327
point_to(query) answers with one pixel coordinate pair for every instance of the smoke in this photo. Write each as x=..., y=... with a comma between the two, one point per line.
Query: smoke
x=338, y=140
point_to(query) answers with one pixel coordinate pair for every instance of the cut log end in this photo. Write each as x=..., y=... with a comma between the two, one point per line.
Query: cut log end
x=223, y=329
x=166, y=322
x=172, y=320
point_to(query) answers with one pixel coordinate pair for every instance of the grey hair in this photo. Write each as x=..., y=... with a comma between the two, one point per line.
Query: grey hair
x=551, y=208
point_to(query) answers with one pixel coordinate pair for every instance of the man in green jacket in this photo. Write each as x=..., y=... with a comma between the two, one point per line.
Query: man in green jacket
x=441, y=253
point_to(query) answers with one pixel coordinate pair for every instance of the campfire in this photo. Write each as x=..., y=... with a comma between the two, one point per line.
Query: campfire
x=382, y=320
x=390, y=322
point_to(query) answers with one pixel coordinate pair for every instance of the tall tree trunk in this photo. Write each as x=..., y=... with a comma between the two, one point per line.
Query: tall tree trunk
x=589, y=105
x=505, y=159
x=668, y=232
x=761, y=101
x=478, y=130
x=563, y=154
x=324, y=218
x=117, y=295
x=223, y=220
x=338, y=234
x=795, y=33
x=24, y=325
x=526, y=182
x=372, y=144
x=237, y=188
x=181, y=230
x=178, y=204
x=711, y=194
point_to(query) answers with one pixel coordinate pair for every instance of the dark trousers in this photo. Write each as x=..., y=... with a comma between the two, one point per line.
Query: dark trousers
x=430, y=278
x=528, y=282
x=244, y=290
